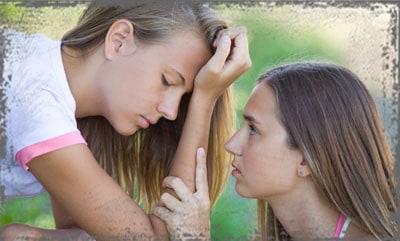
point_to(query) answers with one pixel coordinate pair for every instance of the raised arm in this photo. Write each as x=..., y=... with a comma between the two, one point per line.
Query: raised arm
x=230, y=60
x=228, y=63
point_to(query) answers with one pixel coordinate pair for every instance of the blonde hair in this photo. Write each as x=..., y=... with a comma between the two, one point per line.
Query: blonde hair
x=141, y=161
x=332, y=119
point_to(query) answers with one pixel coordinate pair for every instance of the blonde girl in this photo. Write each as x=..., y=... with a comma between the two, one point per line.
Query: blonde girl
x=123, y=100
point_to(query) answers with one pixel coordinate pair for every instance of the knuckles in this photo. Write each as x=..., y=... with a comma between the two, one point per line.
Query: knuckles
x=175, y=181
x=247, y=65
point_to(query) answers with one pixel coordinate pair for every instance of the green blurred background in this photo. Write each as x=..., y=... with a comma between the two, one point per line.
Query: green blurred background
x=277, y=34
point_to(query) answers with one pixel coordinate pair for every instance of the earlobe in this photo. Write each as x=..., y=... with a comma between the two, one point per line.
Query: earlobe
x=119, y=39
x=303, y=170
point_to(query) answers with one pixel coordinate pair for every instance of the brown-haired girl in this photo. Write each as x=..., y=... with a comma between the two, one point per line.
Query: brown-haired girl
x=312, y=150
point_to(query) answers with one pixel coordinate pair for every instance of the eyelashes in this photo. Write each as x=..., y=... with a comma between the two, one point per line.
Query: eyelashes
x=253, y=130
x=164, y=80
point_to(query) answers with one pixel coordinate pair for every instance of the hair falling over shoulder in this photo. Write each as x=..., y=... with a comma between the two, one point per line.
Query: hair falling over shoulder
x=140, y=162
x=332, y=119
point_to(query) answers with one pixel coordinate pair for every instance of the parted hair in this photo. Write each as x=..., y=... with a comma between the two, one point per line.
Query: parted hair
x=140, y=162
x=330, y=116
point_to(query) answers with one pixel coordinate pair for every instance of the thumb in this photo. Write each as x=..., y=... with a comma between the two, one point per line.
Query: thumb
x=201, y=172
x=222, y=53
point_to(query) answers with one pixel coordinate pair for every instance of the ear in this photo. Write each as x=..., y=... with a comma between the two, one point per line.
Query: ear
x=119, y=39
x=303, y=170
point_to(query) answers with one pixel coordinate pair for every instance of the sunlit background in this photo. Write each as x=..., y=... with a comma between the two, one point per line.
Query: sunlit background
x=362, y=37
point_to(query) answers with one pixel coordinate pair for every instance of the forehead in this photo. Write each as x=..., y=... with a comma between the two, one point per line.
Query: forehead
x=261, y=101
x=186, y=53
x=262, y=107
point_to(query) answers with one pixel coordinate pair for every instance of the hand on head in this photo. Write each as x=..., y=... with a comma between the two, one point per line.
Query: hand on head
x=231, y=59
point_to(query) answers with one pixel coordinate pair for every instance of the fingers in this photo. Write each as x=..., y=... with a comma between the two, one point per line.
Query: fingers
x=181, y=190
x=170, y=202
x=217, y=61
x=241, y=47
x=201, y=173
x=238, y=59
x=232, y=33
x=162, y=213
x=223, y=43
x=240, y=55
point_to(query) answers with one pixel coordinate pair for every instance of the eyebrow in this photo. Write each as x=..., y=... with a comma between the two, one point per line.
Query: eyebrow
x=181, y=76
x=250, y=118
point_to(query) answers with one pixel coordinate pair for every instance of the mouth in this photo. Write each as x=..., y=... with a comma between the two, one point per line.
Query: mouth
x=153, y=122
x=143, y=122
x=235, y=172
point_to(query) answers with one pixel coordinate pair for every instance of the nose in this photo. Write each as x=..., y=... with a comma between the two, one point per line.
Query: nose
x=235, y=143
x=169, y=107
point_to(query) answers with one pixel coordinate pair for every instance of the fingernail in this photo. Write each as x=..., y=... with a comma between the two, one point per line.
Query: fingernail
x=225, y=39
x=201, y=152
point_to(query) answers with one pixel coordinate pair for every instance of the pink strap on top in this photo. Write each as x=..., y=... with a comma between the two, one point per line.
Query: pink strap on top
x=339, y=225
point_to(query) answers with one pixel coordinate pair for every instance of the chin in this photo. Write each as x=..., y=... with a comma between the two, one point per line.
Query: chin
x=244, y=191
x=240, y=191
x=127, y=131
x=122, y=126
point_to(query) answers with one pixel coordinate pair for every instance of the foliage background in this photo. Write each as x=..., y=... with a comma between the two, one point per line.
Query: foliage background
x=275, y=36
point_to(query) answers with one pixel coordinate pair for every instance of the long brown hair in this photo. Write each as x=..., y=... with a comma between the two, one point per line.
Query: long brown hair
x=141, y=161
x=332, y=119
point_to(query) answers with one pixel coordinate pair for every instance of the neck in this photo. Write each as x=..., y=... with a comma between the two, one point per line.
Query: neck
x=310, y=217
x=79, y=71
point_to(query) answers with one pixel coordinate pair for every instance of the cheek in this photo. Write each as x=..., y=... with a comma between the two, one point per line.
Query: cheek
x=268, y=164
x=147, y=92
x=255, y=162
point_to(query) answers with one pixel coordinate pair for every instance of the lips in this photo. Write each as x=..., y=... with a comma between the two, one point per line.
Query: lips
x=143, y=122
x=235, y=172
x=153, y=122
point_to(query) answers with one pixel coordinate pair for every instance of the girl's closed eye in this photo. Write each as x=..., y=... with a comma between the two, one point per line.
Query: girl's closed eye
x=165, y=81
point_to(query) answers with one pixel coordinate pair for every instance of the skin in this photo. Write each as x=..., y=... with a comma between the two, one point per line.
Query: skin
x=266, y=168
x=154, y=77
x=264, y=165
x=189, y=216
x=82, y=193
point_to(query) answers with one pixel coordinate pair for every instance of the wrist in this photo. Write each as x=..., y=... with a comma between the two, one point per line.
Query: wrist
x=202, y=99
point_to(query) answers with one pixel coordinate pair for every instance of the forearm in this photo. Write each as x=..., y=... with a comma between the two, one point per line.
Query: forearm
x=17, y=231
x=62, y=219
x=89, y=195
x=195, y=134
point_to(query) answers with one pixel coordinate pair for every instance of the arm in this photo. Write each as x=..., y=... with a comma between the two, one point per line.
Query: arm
x=94, y=201
x=230, y=60
x=92, y=198
x=62, y=219
x=15, y=231
x=189, y=216
x=228, y=63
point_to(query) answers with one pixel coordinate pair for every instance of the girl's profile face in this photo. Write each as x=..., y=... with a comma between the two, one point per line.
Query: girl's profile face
x=264, y=165
x=144, y=86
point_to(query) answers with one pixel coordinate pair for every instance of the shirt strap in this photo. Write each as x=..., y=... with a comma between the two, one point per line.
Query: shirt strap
x=344, y=228
x=339, y=225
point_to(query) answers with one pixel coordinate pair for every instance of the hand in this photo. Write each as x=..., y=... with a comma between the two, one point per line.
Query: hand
x=187, y=218
x=231, y=59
